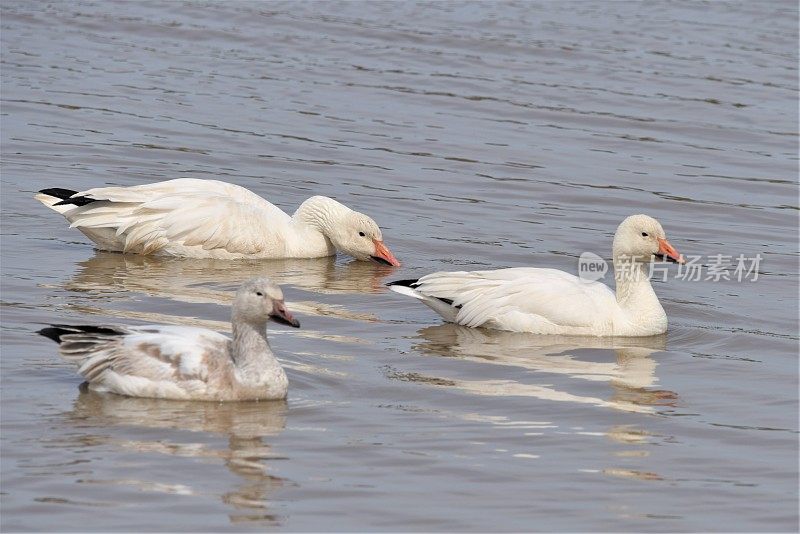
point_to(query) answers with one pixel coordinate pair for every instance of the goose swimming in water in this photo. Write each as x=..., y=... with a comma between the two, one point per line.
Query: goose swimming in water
x=182, y=362
x=549, y=301
x=195, y=218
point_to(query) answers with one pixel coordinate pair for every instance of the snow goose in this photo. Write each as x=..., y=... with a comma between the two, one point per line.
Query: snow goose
x=195, y=218
x=181, y=362
x=548, y=301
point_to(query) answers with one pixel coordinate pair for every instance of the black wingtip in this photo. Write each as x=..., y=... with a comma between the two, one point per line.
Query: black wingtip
x=412, y=283
x=58, y=192
x=56, y=331
x=52, y=332
x=67, y=196
x=406, y=283
x=78, y=201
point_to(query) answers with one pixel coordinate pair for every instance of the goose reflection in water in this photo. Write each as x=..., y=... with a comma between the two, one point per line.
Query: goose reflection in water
x=111, y=270
x=245, y=424
x=112, y=276
x=631, y=374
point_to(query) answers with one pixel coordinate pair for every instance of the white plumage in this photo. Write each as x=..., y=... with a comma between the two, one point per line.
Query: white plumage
x=196, y=218
x=548, y=301
x=544, y=301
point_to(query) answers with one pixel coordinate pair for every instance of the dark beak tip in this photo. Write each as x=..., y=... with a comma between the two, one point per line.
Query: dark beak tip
x=670, y=259
x=382, y=261
x=281, y=319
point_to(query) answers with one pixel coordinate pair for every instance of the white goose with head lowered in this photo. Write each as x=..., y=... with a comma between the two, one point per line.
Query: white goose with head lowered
x=196, y=218
x=182, y=362
x=548, y=301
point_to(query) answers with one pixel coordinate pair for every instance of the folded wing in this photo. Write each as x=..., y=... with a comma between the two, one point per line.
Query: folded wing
x=175, y=215
x=147, y=361
x=519, y=299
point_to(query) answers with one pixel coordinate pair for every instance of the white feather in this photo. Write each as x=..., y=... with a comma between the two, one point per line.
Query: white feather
x=520, y=299
x=548, y=301
x=447, y=311
x=191, y=218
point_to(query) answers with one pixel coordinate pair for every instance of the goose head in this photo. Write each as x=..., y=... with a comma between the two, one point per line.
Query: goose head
x=357, y=235
x=259, y=300
x=640, y=238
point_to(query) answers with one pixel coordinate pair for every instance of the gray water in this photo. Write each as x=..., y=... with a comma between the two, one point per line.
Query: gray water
x=479, y=136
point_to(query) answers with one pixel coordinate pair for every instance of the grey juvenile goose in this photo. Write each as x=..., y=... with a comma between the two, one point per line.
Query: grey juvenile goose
x=183, y=362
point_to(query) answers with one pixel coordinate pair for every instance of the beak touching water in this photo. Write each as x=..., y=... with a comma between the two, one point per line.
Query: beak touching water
x=383, y=255
x=668, y=253
x=281, y=315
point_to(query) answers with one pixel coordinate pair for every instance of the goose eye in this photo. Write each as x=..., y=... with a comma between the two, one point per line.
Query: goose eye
x=362, y=234
x=644, y=234
x=259, y=293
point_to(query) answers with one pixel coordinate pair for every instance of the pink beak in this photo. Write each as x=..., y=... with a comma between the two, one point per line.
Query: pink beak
x=383, y=255
x=668, y=252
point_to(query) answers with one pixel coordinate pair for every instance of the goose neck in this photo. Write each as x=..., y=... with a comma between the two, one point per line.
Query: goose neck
x=250, y=347
x=633, y=283
x=320, y=213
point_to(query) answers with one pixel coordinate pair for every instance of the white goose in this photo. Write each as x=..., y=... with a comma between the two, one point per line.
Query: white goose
x=548, y=301
x=182, y=362
x=195, y=218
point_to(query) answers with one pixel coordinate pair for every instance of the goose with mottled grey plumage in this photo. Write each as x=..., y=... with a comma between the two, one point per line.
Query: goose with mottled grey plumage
x=181, y=362
x=195, y=218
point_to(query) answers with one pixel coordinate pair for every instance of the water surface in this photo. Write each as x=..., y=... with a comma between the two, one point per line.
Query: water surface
x=478, y=135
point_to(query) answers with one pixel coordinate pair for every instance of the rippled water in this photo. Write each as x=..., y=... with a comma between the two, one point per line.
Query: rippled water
x=478, y=135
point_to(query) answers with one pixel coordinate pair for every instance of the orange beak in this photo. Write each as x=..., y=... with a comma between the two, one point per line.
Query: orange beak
x=667, y=252
x=383, y=255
